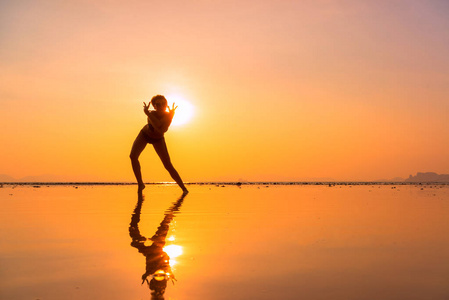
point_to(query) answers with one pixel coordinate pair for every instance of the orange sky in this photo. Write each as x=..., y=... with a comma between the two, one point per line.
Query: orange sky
x=283, y=90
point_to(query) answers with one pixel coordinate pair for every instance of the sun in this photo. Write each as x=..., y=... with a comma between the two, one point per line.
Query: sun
x=183, y=113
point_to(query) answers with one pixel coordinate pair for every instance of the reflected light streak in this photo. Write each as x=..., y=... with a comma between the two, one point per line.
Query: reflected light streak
x=172, y=263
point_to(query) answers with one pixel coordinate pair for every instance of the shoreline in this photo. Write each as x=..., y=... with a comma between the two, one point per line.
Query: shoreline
x=226, y=183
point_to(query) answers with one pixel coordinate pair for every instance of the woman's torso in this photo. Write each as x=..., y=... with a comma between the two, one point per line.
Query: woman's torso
x=149, y=129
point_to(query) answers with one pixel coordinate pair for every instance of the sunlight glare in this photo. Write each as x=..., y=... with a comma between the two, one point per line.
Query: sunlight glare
x=183, y=113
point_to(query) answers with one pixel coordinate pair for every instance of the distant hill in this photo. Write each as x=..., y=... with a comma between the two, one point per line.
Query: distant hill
x=6, y=178
x=428, y=177
x=38, y=178
x=396, y=179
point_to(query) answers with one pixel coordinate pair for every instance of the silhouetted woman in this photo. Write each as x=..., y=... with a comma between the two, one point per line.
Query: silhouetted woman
x=153, y=133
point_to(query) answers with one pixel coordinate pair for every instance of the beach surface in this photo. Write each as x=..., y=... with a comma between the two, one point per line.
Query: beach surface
x=226, y=242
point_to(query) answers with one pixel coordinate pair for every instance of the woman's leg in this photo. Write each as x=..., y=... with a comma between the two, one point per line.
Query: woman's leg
x=161, y=150
x=138, y=146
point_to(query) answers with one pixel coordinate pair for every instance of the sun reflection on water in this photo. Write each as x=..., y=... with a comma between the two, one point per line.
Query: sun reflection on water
x=173, y=251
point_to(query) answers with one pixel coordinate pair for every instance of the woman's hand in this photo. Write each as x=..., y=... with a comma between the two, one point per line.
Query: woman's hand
x=172, y=110
x=146, y=108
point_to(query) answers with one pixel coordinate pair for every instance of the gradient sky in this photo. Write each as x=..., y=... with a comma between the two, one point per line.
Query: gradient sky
x=283, y=90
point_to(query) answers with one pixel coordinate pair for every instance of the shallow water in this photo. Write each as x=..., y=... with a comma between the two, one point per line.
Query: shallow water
x=253, y=242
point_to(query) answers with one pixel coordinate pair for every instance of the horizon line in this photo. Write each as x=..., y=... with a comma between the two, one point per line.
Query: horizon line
x=237, y=183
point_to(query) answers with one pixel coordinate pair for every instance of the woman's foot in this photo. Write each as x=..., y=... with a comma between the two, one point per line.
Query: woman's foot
x=185, y=191
x=141, y=186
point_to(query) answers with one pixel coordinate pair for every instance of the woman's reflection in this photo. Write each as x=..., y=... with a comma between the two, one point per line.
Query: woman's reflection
x=157, y=260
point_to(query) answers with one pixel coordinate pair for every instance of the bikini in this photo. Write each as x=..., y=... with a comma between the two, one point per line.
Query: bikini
x=149, y=139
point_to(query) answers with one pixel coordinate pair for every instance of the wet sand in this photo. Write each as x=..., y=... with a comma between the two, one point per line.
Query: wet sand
x=248, y=242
